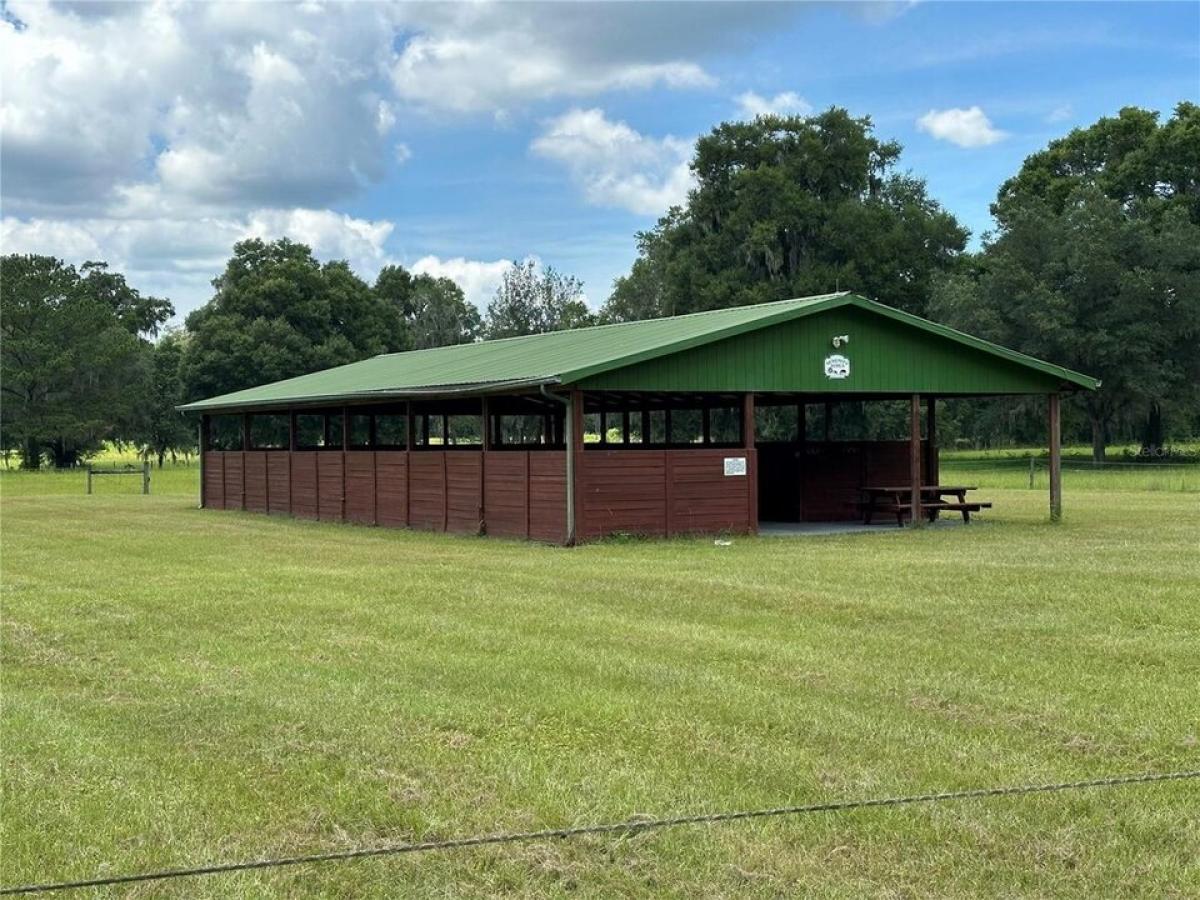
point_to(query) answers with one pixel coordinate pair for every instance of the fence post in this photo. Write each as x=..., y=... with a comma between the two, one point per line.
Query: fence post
x=146, y=477
x=1031, y=473
x=89, y=478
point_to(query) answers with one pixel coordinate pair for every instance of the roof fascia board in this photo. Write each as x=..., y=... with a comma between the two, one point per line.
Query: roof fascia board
x=433, y=391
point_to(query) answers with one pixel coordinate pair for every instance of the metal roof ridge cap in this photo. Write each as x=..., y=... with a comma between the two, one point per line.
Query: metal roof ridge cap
x=597, y=327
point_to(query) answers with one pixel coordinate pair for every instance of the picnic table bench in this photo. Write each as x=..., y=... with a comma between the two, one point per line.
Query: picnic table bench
x=898, y=500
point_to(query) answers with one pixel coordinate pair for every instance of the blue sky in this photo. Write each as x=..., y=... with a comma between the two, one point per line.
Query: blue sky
x=452, y=138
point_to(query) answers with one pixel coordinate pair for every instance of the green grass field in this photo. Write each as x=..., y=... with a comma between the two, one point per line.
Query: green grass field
x=184, y=686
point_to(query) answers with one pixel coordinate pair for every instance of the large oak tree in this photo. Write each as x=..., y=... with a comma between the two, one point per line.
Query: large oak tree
x=789, y=206
x=277, y=313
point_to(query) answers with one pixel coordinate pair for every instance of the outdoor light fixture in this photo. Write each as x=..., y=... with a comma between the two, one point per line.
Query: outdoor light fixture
x=841, y=339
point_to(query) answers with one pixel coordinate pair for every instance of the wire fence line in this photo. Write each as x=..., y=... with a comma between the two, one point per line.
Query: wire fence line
x=1073, y=462
x=627, y=827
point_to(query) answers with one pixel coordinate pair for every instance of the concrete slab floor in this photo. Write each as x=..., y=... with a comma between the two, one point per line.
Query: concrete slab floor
x=816, y=529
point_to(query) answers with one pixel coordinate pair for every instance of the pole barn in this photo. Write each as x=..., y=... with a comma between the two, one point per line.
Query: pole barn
x=710, y=422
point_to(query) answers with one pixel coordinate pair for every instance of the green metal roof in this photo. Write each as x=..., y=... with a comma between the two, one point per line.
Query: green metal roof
x=567, y=357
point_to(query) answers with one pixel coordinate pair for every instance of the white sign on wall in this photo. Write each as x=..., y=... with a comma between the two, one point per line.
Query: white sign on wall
x=837, y=366
x=735, y=465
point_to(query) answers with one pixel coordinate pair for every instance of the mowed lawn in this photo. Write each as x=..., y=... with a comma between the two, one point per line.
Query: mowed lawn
x=185, y=686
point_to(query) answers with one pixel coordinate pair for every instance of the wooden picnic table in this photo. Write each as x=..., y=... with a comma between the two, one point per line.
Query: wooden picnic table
x=898, y=499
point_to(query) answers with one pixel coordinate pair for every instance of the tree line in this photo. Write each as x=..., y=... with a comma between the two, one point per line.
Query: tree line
x=85, y=359
x=1094, y=264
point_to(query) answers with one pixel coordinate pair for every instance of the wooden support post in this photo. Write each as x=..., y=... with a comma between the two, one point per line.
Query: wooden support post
x=146, y=477
x=483, y=424
x=931, y=453
x=625, y=427
x=603, y=427
x=89, y=478
x=1055, y=423
x=645, y=426
x=751, y=461
x=573, y=438
x=345, y=447
x=203, y=441
x=409, y=440
x=705, y=426
x=245, y=431
x=801, y=456
x=914, y=450
x=293, y=445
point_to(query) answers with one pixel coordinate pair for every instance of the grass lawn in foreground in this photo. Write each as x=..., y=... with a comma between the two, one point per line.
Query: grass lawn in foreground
x=185, y=686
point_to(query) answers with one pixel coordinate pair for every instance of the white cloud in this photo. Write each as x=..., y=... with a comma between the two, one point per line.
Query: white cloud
x=478, y=279
x=154, y=135
x=964, y=127
x=490, y=71
x=789, y=103
x=239, y=106
x=178, y=257
x=616, y=165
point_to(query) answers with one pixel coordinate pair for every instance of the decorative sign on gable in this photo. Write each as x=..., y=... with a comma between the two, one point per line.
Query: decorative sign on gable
x=735, y=465
x=837, y=366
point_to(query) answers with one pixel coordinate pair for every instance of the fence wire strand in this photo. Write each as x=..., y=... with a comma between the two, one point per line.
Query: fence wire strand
x=632, y=826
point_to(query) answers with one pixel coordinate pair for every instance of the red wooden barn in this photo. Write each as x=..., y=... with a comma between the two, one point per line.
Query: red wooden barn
x=709, y=422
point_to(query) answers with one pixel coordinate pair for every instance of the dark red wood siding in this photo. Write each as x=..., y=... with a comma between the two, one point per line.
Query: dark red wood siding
x=360, y=487
x=331, y=486
x=703, y=497
x=463, y=483
x=662, y=492
x=255, y=464
x=304, y=484
x=506, y=493
x=391, y=487
x=427, y=490
x=214, y=479
x=279, y=481
x=233, y=479
x=548, y=496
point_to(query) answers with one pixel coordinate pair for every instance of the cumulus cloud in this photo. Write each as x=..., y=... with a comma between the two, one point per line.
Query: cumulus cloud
x=964, y=127
x=788, y=103
x=244, y=106
x=616, y=165
x=478, y=279
x=489, y=72
x=178, y=257
x=484, y=57
x=156, y=134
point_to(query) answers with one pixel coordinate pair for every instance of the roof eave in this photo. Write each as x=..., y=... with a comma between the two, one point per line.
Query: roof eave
x=481, y=388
